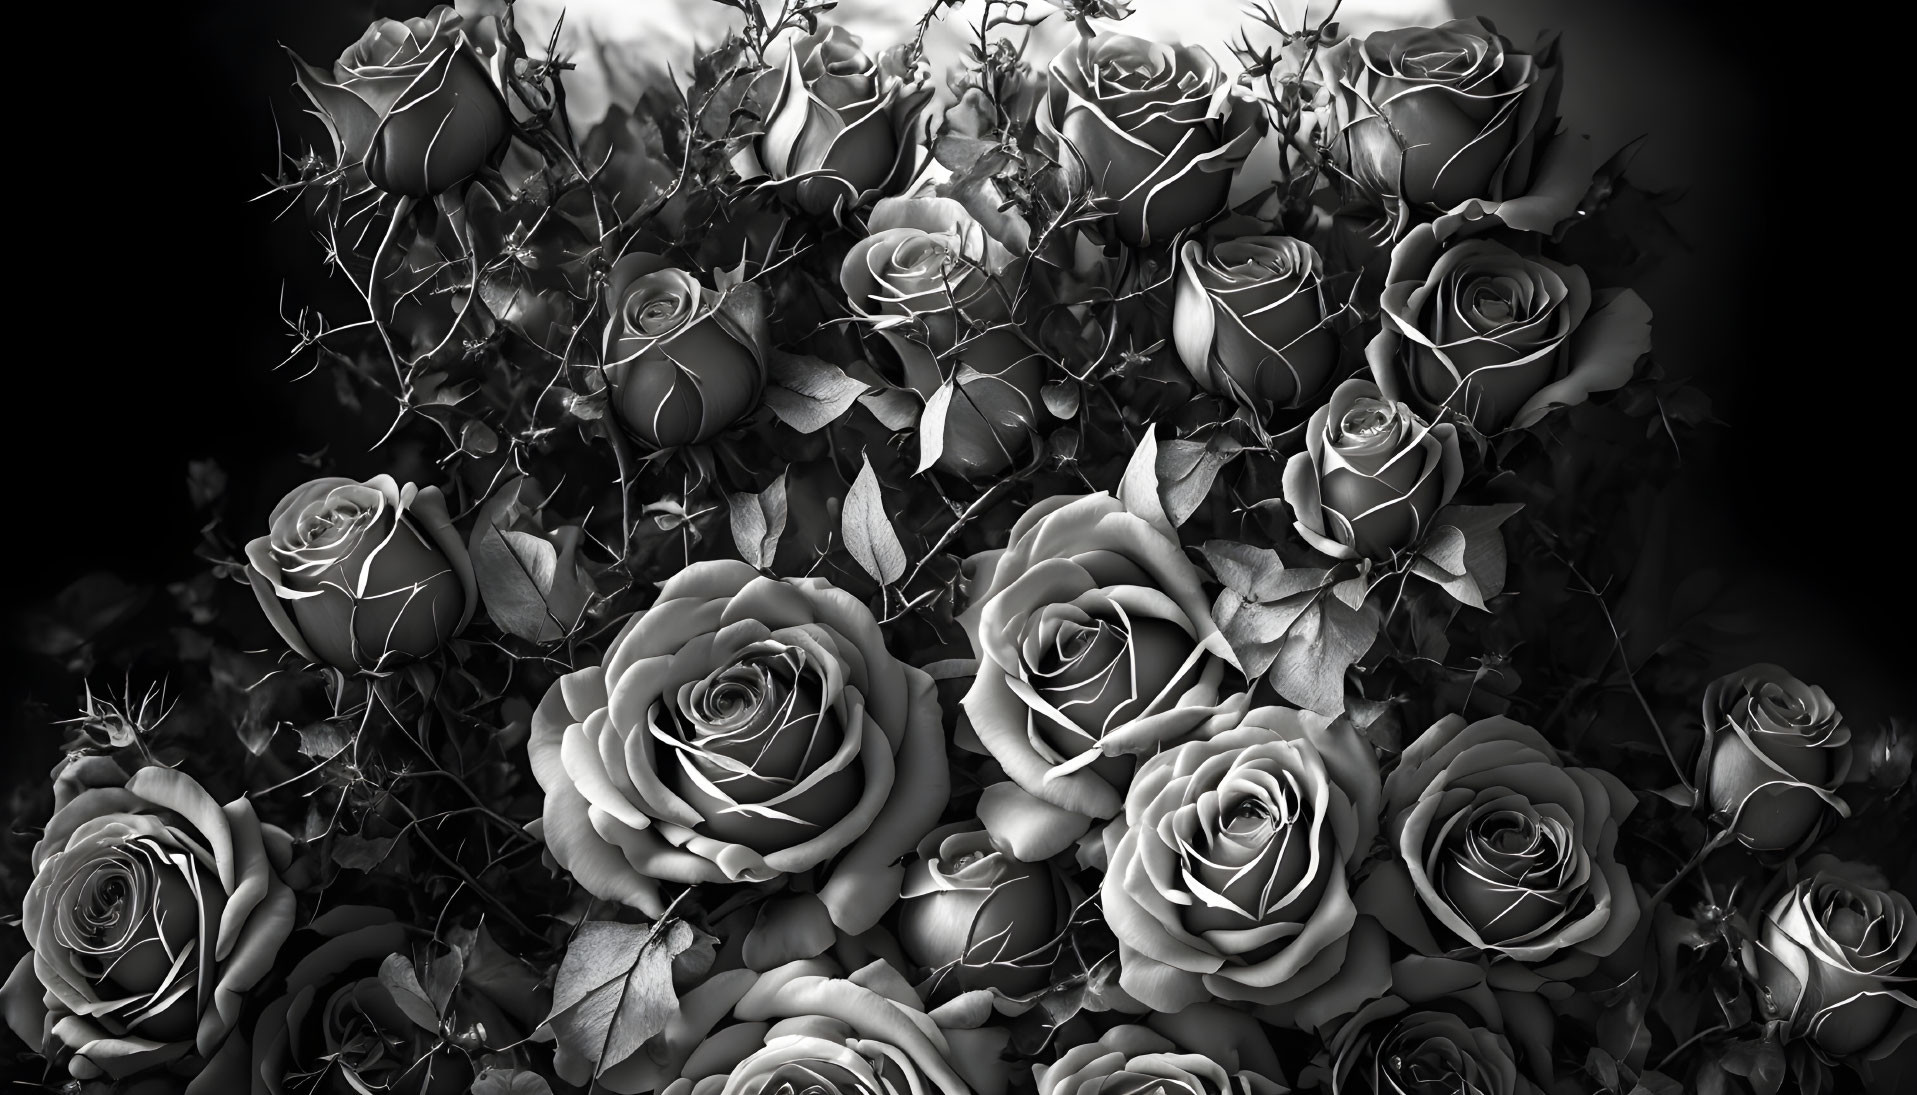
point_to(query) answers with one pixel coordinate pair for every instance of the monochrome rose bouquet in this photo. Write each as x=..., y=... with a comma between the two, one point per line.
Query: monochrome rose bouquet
x=1111, y=572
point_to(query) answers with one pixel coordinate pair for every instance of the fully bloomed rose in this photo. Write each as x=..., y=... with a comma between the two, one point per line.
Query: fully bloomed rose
x=1775, y=751
x=1096, y=647
x=941, y=292
x=1433, y=117
x=1249, y=321
x=1206, y=1049
x=1500, y=848
x=1229, y=874
x=1152, y=128
x=413, y=103
x=839, y=128
x=363, y=575
x=805, y=1026
x=1833, y=956
x=153, y=911
x=683, y=361
x=1439, y=1029
x=1499, y=337
x=978, y=918
x=740, y=729
x=347, y=1014
x=1373, y=475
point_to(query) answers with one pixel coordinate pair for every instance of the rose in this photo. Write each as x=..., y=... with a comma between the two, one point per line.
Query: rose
x=347, y=1012
x=1436, y=116
x=805, y=1026
x=373, y=574
x=839, y=128
x=1205, y=1049
x=1440, y=1028
x=1152, y=128
x=978, y=918
x=1506, y=850
x=1248, y=320
x=152, y=912
x=1833, y=957
x=940, y=290
x=1096, y=645
x=683, y=361
x=1229, y=873
x=1775, y=751
x=1499, y=337
x=740, y=729
x=1373, y=475
x=412, y=102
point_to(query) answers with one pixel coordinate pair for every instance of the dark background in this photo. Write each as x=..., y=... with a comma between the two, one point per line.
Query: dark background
x=154, y=323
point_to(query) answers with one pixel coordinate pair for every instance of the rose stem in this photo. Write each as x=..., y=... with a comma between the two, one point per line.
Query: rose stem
x=1710, y=846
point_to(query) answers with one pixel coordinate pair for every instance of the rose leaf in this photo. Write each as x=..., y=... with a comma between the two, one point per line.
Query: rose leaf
x=895, y=408
x=1759, y=1060
x=614, y=993
x=1186, y=470
x=323, y=740
x=932, y=426
x=442, y=978
x=516, y=572
x=358, y=853
x=1256, y=631
x=1061, y=397
x=510, y=1081
x=502, y=976
x=1138, y=487
x=1318, y=648
x=869, y=535
x=478, y=439
x=1257, y=573
x=1465, y=554
x=807, y=394
x=962, y=153
x=758, y=521
x=401, y=982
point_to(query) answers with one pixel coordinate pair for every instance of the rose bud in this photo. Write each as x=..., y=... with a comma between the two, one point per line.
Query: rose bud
x=1499, y=337
x=1372, y=477
x=1775, y=751
x=412, y=102
x=363, y=575
x=153, y=911
x=684, y=361
x=978, y=918
x=1150, y=127
x=1833, y=957
x=1434, y=116
x=839, y=128
x=1248, y=320
x=940, y=290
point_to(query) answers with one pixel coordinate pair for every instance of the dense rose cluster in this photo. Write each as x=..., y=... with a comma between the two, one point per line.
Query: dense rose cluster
x=1073, y=587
